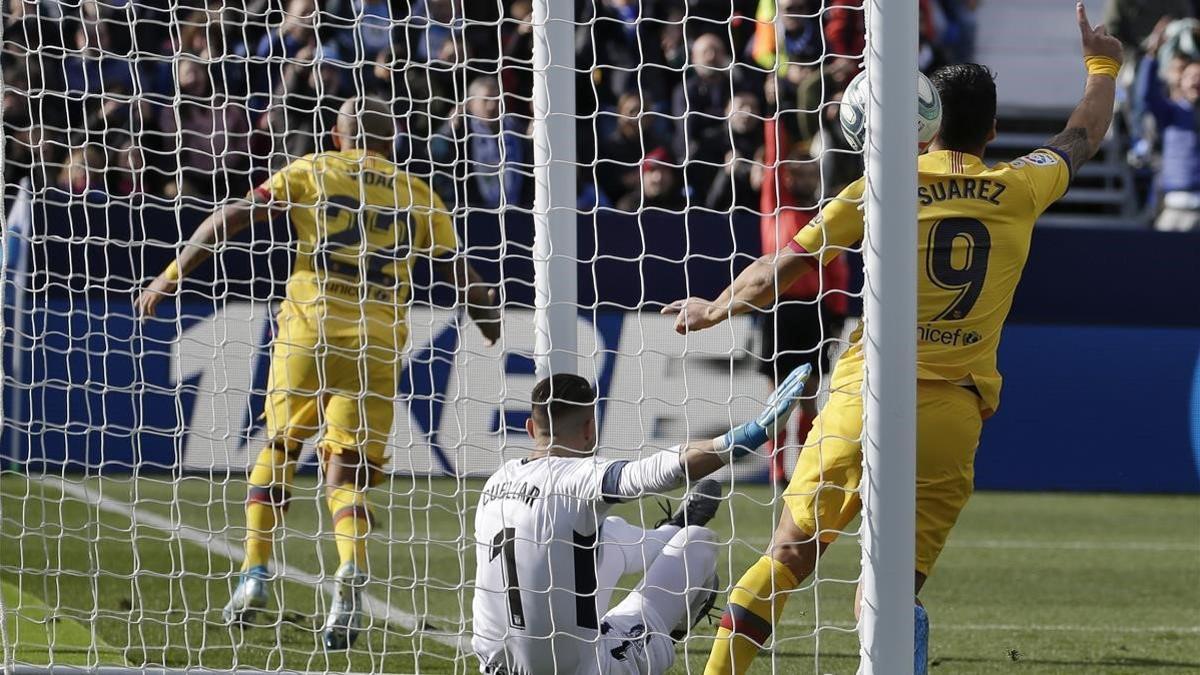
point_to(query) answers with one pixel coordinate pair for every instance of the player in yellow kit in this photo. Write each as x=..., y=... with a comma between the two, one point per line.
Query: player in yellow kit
x=359, y=221
x=974, y=227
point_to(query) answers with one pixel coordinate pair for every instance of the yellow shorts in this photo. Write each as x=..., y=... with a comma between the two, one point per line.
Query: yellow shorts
x=823, y=494
x=344, y=387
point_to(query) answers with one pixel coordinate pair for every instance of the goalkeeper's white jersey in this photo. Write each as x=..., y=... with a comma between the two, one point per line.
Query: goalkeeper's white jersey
x=537, y=607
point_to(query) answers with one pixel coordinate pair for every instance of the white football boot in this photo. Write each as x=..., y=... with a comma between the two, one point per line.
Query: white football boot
x=346, y=613
x=250, y=596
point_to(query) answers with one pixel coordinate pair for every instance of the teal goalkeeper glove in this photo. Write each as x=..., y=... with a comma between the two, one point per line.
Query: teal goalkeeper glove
x=745, y=438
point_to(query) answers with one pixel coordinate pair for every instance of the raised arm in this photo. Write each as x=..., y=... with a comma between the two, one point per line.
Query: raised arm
x=1085, y=129
x=1148, y=87
x=219, y=227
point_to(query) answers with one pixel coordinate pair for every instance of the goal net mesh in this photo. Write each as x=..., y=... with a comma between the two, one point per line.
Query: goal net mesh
x=706, y=136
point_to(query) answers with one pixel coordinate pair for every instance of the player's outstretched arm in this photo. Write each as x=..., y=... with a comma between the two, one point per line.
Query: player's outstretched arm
x=667, y=470
x=757, y=286
x=1090, y=121
x=222, y=225
x=480, y=297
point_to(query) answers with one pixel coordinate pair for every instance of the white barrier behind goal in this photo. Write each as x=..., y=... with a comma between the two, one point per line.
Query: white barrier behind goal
x=126, y=445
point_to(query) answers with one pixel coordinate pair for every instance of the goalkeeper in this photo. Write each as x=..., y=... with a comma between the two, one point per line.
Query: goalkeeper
x=359, y=220
x=974, y=229
x=547, y=556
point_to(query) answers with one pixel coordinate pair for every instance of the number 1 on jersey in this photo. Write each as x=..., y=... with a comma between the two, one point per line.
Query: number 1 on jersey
x=505, y=542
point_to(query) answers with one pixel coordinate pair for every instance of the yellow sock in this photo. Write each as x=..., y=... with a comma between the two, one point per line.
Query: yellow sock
x=754, y=608
x=266, y=501
x=351, y=524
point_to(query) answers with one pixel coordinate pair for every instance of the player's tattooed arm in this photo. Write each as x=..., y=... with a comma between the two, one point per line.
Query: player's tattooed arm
x=1089, y=122
x=1073, y=142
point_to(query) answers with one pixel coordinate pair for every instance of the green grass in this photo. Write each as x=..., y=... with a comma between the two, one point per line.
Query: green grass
x=36, y=629
x=1030, y=583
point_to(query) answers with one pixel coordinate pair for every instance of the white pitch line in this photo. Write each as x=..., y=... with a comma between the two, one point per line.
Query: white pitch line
x=1060, y=628
x=220, y=546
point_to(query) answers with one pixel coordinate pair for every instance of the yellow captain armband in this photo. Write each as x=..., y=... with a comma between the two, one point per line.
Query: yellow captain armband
x=172, y=271
x=1102, y=65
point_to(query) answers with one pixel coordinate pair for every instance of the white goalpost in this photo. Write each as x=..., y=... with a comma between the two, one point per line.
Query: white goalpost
x=889, y=314
x=598, y=160
x=554, y=202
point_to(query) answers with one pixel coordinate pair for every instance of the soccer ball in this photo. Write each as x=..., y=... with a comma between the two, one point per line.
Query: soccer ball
x=853, y=111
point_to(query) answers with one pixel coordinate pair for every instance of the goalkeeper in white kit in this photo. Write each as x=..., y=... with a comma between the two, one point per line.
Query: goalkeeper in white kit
x=548, y=557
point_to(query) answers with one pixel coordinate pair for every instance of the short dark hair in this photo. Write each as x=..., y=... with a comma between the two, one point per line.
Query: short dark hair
x=560, y=398
x=968, y=93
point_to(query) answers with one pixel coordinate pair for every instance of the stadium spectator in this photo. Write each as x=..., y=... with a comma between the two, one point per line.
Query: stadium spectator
x=304, y=108
x=735, y=184
x=660, y=186
x=486, y=152
x=295, y=39
x=128, y=175
x=700, y=103
x=82, y=174
x=362, y=29
x=1133, y=21
x=619, y=162
x=1174, y=111
x=440, y=25
x=672, y=47
x=97, y=76
x=207, y=134
x=812, y=62
x=218, y=29
x=516, y=71
x=283, y=80
x=93, y=66
x=957, y=36
x=614, y=45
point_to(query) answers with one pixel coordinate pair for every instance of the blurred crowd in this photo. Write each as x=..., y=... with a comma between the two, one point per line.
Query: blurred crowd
x=694, y=103
x=1160, y=111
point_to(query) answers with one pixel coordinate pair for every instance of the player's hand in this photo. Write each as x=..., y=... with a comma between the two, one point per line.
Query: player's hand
x=783, y=401
x=1097, y=41
x=147, y=301
x=486, y=315
x=692, y=314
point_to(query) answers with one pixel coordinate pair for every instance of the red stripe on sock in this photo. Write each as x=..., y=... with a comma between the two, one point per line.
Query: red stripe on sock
x=741, y=621
x=355, y=511
x=270, y=496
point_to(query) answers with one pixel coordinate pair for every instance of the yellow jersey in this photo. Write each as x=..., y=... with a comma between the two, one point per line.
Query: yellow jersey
x=359, y=222
x=974, y=225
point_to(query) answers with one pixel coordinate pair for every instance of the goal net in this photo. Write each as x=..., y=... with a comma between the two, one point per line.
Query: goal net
x=705, y=134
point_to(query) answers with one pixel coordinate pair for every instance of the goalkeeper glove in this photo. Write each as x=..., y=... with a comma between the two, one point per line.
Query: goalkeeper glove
x=745, y=438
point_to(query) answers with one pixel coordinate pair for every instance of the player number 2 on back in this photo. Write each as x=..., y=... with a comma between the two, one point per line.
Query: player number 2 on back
x=342, y=252
x=962, y=271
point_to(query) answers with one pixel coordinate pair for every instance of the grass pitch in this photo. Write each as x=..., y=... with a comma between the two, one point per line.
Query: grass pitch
x=1030, y=583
